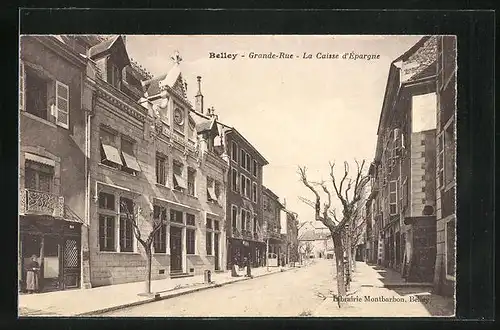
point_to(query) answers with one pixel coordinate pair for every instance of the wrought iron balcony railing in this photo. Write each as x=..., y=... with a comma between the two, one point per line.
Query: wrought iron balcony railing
x=43, y=203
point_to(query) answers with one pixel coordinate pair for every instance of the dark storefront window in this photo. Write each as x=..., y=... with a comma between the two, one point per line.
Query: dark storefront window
x=190, y=241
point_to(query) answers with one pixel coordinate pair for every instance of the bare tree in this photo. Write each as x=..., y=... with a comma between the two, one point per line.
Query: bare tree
x=133, y=213
x=349, y=193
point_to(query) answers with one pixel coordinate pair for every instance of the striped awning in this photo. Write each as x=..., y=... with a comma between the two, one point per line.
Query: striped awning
x=131, y=162
x=111, y=154
x=39, y=159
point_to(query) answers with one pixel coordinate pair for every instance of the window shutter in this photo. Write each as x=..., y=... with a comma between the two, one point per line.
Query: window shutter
x=62, y=104
x=22, y=86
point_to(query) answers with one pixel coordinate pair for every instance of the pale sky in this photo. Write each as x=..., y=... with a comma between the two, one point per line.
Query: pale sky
x=296, y=111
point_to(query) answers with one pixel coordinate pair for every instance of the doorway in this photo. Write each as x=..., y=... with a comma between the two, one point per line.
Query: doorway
x=175, y=249
x=216, y=251
x=50, y=272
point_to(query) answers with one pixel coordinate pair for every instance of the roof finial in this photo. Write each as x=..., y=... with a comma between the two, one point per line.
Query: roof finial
x=176, y=57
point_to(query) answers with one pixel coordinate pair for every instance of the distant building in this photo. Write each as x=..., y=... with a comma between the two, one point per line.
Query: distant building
x=272, y=212
x=444, y=277
x=313, y=244
x=402, y=202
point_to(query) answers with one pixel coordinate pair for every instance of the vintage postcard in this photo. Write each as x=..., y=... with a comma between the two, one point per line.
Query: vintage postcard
x=237, y=175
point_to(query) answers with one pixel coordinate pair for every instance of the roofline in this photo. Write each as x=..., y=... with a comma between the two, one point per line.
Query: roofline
x=232, y=129
x=62, y=49
x=393, y=70
x=270, y=192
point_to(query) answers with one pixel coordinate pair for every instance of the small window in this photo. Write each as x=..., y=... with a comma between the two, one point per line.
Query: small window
x=242, y=158
x=393, y=197
x=216, y=225
x=126, y=235
x=255, y=169
x=190, y=219
x=248, y=188
x=62, y=104
x=209, y=223
x=106, y=233
x=190, y=241
x=106, y=201
x=209, y=235
x=248, y=162
x=191, y=181
x=176, y=216
x=38, y=176
x=114, y=75
x=234, y=216
x=243, y=185
x=160, y=240
x=243, y=219
x=126, y=206
x=234, y=151
x=161, y=169
x=234, y=181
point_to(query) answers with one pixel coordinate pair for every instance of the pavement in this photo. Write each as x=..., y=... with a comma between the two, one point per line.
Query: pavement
x=381, y=292
x=96, y=301
x=288, y=294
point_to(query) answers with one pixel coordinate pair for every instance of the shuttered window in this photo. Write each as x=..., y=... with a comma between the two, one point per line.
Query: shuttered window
x=62, y=104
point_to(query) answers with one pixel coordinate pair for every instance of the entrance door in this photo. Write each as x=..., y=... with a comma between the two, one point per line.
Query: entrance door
x=216, y=251
x=71, y=263
x=175, y=249
x=31, y=245
x=51, y=269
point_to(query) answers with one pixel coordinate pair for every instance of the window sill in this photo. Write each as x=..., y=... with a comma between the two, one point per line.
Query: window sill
x=41, y=120
x=450, y=278
x=161, y=253
x=162, y=186
x=117, y=170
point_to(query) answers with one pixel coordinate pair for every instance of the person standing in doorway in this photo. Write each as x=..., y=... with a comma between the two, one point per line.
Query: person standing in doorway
x=32, y=275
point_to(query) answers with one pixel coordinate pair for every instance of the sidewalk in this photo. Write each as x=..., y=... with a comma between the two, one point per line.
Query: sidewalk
x=380, y=292
x=88, y=302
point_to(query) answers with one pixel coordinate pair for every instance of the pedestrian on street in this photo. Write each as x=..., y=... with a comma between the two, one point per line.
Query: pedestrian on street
x=32, y=271
x=234, y=271
x=249, y=268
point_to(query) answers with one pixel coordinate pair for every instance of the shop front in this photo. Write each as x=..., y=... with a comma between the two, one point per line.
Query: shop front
x=241, y=248
x=56, y=244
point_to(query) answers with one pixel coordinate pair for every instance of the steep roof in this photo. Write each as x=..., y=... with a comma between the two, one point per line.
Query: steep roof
x=227, y=129
x=172, y=79
x=106, y=47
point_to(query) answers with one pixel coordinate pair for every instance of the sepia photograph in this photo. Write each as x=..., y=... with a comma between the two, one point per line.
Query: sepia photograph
x=237, y=175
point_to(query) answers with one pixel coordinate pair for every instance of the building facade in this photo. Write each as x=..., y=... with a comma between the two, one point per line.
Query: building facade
x=403, y=195
x=245, y=235
x=444, y=277
x=52, y=119
x=290, y=237
x=271, y=209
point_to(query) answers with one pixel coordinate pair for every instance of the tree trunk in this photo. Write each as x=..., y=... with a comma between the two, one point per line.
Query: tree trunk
x=353, y=253
x=339, y=261
x=147, y=282
x=349, y=257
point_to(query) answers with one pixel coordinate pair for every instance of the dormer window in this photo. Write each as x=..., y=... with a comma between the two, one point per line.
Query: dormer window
x=114, y=75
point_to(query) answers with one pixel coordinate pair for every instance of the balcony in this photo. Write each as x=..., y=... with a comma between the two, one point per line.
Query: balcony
x=41, y=203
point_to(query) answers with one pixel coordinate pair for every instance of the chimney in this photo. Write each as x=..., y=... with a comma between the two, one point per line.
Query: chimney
x=199, y=97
